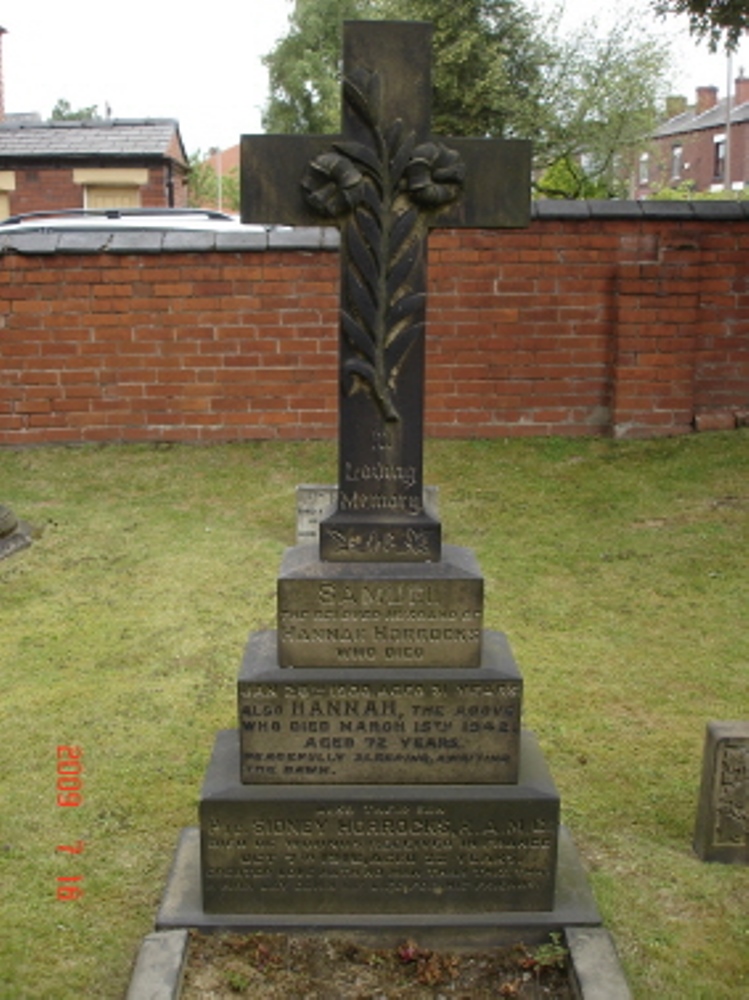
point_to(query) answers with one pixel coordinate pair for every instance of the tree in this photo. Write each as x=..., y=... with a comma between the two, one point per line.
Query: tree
x=63, y=112
x=487, y=58
x=716, y=20
x=303, y=68
x=496, y=72
x=601, y=102
x=203, y=185
x=489, y=61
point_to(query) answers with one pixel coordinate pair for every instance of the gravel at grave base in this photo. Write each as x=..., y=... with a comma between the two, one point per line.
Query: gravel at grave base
x=261, y=966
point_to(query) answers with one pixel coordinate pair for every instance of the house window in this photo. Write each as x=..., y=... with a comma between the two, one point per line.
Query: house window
x=112, y=187
x=677, y=161
x=7, y=185
x=644, y=171
x=101, y=197
x=719, y=157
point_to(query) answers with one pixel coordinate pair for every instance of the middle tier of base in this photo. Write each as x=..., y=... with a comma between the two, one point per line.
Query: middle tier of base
x=378, y=726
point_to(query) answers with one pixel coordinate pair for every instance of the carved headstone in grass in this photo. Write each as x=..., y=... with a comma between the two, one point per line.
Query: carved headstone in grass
x=722, y=826
x=378, y=776
x=14, y=534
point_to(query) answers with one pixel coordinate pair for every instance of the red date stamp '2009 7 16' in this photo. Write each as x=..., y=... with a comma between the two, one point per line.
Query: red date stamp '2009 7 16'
x=69, y=789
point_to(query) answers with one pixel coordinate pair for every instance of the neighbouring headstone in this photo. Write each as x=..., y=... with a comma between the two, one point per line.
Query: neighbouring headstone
x=722, y=825
x=8, y=521
x=379, y=772
x=14, y=534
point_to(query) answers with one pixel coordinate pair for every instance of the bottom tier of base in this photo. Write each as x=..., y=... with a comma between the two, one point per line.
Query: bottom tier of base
x=181, y=906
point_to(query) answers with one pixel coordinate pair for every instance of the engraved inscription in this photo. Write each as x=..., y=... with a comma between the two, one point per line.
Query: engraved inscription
x=732, y=794
x=375, y=733
x=389, y=624
x=315, y=503
x=397, y=857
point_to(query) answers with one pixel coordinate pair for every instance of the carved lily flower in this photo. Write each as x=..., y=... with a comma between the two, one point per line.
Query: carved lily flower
x=332, y=184
x=434, y=175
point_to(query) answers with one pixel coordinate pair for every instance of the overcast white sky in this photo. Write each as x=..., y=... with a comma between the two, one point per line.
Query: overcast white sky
x=201, y=64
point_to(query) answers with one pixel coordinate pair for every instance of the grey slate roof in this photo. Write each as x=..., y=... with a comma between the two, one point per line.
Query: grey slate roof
x=112, y=138
x=690, y=121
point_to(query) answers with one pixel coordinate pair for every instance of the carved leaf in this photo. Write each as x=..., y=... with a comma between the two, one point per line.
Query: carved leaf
x=401, y=272
x=371, y=233
x=398, y=349
x=361, y=154
x=357, y=336
x=394, y=136
x=361, y=254
x=402, y=231
x=406, y=306
x=361, y=299
x=400, y=160
x=365, y=371
x=355, y=93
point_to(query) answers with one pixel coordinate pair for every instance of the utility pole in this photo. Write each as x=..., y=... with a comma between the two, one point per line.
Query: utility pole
x=729, y=109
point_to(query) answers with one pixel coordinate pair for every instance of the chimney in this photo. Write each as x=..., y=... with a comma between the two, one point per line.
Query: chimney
x=742, y=90
x=707, y=97
x=2, y=78
x=676, y=105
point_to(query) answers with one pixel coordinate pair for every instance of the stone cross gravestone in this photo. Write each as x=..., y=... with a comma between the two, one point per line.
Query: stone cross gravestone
x=379, y=777
x=385, y=182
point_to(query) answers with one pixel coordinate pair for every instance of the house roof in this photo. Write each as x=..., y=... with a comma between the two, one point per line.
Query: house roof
x=118, y=138
x=715, y=117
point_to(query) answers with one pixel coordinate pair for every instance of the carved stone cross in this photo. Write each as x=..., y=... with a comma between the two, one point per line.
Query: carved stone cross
x=384, y=182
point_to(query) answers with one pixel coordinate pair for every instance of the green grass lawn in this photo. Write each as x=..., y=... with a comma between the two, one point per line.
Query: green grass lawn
x=617, y=570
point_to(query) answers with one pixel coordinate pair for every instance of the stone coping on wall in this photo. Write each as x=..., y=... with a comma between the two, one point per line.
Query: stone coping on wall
x=112, y=240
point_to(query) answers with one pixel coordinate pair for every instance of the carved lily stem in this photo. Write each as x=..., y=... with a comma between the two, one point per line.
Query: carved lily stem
x=383, y=305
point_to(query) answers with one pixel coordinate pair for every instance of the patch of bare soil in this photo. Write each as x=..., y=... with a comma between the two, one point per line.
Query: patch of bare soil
x=281, y=967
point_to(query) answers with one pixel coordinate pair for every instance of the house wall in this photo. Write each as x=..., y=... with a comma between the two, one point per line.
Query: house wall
x=599, y=319
x=46, y=188
x=698, y=159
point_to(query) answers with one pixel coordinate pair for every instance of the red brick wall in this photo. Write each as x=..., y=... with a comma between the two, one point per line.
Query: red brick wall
x=43, y=189
x=632, y=326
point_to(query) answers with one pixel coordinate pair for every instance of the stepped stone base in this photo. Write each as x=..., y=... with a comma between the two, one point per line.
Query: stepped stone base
x=574, y=906
x=376, y=726
x=377, y=849
x=398, y=615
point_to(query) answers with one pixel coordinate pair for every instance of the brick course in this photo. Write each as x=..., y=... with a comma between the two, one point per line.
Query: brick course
x=587, y=323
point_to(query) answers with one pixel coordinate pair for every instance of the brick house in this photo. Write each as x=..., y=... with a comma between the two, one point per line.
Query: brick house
x=101, y=163
x=693, y=144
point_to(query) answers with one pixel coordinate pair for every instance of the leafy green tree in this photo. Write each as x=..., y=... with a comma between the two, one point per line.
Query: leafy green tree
x=568, y=178
x=63, y=111
x=498, y=72
x=303, y=68
x=601, y=101
x=716, y=20
x=203, y=185
x=489, y=59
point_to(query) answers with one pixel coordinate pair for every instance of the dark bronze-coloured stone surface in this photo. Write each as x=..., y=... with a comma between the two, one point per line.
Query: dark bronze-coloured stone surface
x=722, y=826
x=316, y=502
x=370, y=726
x=384, y=181
x=362, y=849
x=395, y=615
